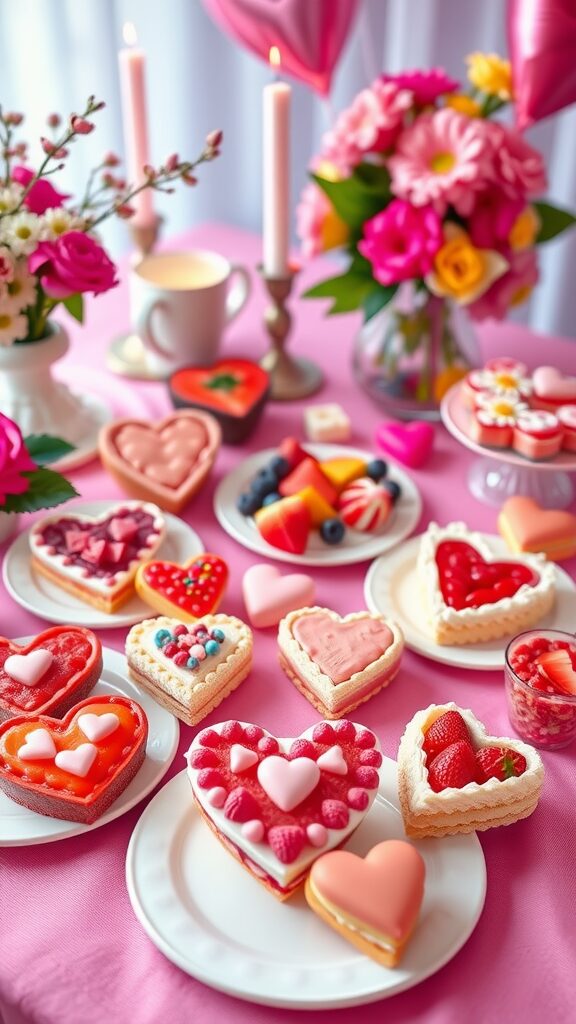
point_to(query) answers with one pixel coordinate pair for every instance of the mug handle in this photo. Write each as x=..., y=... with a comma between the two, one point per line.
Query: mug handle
x=144, y=328
x=238, y=293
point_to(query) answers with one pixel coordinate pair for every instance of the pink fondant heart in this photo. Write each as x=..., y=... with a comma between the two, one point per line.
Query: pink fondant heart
x=333, y=760
x=29, y=668
x=269, y=596
x=241, y=758
x=288, y=783
x=408, y=443
x=78, y=761
x=340, y=649
x=552, y=385
x=39, y=745
x=97, y=727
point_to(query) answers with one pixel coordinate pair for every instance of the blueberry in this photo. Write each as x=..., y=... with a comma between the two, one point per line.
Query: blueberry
x=394, y=489
x=377, y=469
x=248, y=504
x=279, y=466
x=264, y=482
x=269, y=499
x=332, y=531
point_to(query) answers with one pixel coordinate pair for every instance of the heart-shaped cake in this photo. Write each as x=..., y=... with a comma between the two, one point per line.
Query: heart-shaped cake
x=50, y=673
x=234, y=391
x=463, y=806
x=277, y=804
x=469, y=597
x=76, y=767
x=339, y=662
x=95, y=558
x=165, y=462
x=526, y=526
x=188, y=591
x=189, y=668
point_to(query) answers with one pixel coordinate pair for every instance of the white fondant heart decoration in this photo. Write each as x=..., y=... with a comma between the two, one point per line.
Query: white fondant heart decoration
x=241, y=758
x=288, y=783
x=97, y=727
x=77, y=762
x=333, y=760
x=38, y=746
x=29, y=668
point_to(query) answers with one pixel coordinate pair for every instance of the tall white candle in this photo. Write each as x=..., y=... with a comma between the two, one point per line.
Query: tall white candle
x=276, y=175
x=132, y=63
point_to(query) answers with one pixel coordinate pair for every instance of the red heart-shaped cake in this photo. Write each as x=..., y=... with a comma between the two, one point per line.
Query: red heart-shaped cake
x=51, y=673
x=188, y=591
x=277, y=804
x=95, y=558
x=74, y=768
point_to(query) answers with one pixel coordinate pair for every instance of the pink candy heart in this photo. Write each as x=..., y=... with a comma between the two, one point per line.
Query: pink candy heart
x=408, y=443
x=288, y=783
x=551, y=384
x=269, y=596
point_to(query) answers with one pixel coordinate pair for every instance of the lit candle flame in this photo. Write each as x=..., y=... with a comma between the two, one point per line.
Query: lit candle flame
x=274, y=57
x=129, y=33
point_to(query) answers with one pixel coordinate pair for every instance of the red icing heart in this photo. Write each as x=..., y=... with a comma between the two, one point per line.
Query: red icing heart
x=188, y=591
x=75, y=669
x=45, y=787
x=468, y=581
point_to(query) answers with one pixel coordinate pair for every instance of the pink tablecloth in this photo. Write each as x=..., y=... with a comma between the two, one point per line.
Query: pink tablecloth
x=71, y=949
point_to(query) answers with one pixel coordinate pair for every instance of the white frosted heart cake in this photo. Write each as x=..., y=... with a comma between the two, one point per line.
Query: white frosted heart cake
x=469, y=596
x=189, y=668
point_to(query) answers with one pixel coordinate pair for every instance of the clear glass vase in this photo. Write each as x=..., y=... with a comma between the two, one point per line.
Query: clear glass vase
x=409, y=354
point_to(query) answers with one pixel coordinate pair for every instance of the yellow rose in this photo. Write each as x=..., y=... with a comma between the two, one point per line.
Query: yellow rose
x=334, y=231
x=463, y=104
x=461, y=271
x=491, y=74
x=524, y=229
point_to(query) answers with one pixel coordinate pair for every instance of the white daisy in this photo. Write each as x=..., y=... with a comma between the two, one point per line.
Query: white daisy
x=21, y=232
x=21, y=290
x=500, y=410
x=57, y=221
x=10, y=198
x=13, y=326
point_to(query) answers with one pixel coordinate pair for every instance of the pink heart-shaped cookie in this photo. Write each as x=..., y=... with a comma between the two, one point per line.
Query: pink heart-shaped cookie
x=553, y=386
x=408, y=443
x=269, y=595
x=526, y=526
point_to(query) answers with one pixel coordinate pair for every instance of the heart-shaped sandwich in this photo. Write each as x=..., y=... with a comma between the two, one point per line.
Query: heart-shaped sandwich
x=453, y=777
x=50, y=673
x=469, y=597
x=338, y=663
x=277, y=804
x=165, y=462
x=526, y=526
x=76, y=767
x=188, y=591
x=372, y=901
x=95, y=558
x=189, y=668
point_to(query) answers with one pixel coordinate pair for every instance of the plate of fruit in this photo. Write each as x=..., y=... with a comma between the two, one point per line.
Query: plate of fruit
x=317, y=504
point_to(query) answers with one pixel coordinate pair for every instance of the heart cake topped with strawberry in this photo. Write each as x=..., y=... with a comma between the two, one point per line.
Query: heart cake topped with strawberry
x=278, y=804
x=453, y=777
x=470, y=597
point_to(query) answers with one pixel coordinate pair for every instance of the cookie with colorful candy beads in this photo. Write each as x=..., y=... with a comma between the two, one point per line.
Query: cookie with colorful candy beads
x=277, y=804
x=189, y=668
x=189, y=591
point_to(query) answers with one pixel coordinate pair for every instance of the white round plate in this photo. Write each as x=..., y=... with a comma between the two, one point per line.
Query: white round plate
x=210, y=917
x=44, y=598
x=356, y=546
x=22, y=827
x=391, y=587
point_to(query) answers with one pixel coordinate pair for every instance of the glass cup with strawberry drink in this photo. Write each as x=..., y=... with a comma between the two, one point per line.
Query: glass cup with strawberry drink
x=540, y=677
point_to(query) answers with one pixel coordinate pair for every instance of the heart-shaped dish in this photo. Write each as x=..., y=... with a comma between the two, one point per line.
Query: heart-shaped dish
x=277, y=804
x=187, y=591
x=72, y=768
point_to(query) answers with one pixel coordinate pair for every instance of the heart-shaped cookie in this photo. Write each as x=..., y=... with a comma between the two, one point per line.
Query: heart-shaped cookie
x=187, y=591
x=526, y=526
x=279, y=809
x=95, y=558
x=553, y=388
x=50, y=673
x=269, y=595
x=474, y=807
x=338, y=663
x=54, y=768
x=189, y=668
x=165, y=462
x=469, y=597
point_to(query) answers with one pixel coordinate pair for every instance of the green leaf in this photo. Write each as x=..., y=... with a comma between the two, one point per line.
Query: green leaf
x=377, y=299
x=75, y=306
x=46, y=490
x=44, y=449
x=553, y=221
x=349, y=290
x=360, y=197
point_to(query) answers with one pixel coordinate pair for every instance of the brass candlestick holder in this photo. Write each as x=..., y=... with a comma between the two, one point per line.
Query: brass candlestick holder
x=290, y=377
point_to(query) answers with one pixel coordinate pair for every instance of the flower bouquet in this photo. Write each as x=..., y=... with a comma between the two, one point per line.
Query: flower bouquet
x=437, y=206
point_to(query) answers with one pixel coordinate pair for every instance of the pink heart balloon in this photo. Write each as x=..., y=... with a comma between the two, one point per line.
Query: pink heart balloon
x=542, y=43
x=310, y=34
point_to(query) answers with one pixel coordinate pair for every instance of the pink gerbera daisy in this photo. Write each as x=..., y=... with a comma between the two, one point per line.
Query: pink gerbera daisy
x=371, y=124
x=426, y=86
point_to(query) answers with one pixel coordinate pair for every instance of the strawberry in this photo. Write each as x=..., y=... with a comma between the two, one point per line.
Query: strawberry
x=455, y=766
x=287, y=842
x=499, y=763
x=447, y=729
x=556, y=667
x=202, y=757
x=240, y=805
x=334, y=814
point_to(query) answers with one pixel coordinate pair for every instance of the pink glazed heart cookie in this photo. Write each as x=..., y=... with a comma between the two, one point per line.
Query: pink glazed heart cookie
x=277, y=804
x=408, y=443
x=165, y=462
x=338, y=663
x=269, y=595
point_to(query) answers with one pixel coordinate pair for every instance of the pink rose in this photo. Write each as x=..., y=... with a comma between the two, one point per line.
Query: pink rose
x=371, y=124
x=426, y=86
x=510, y=290
x=42, y=196
x=518, y=168
x=401, y=241
x=73, y=263
x=14, y=460
x=491, y=220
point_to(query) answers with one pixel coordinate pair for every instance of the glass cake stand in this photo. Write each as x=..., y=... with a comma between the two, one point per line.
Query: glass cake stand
x=501, y=473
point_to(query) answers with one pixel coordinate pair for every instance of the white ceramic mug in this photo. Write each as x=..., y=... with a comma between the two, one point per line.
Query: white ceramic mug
x=181, y=303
